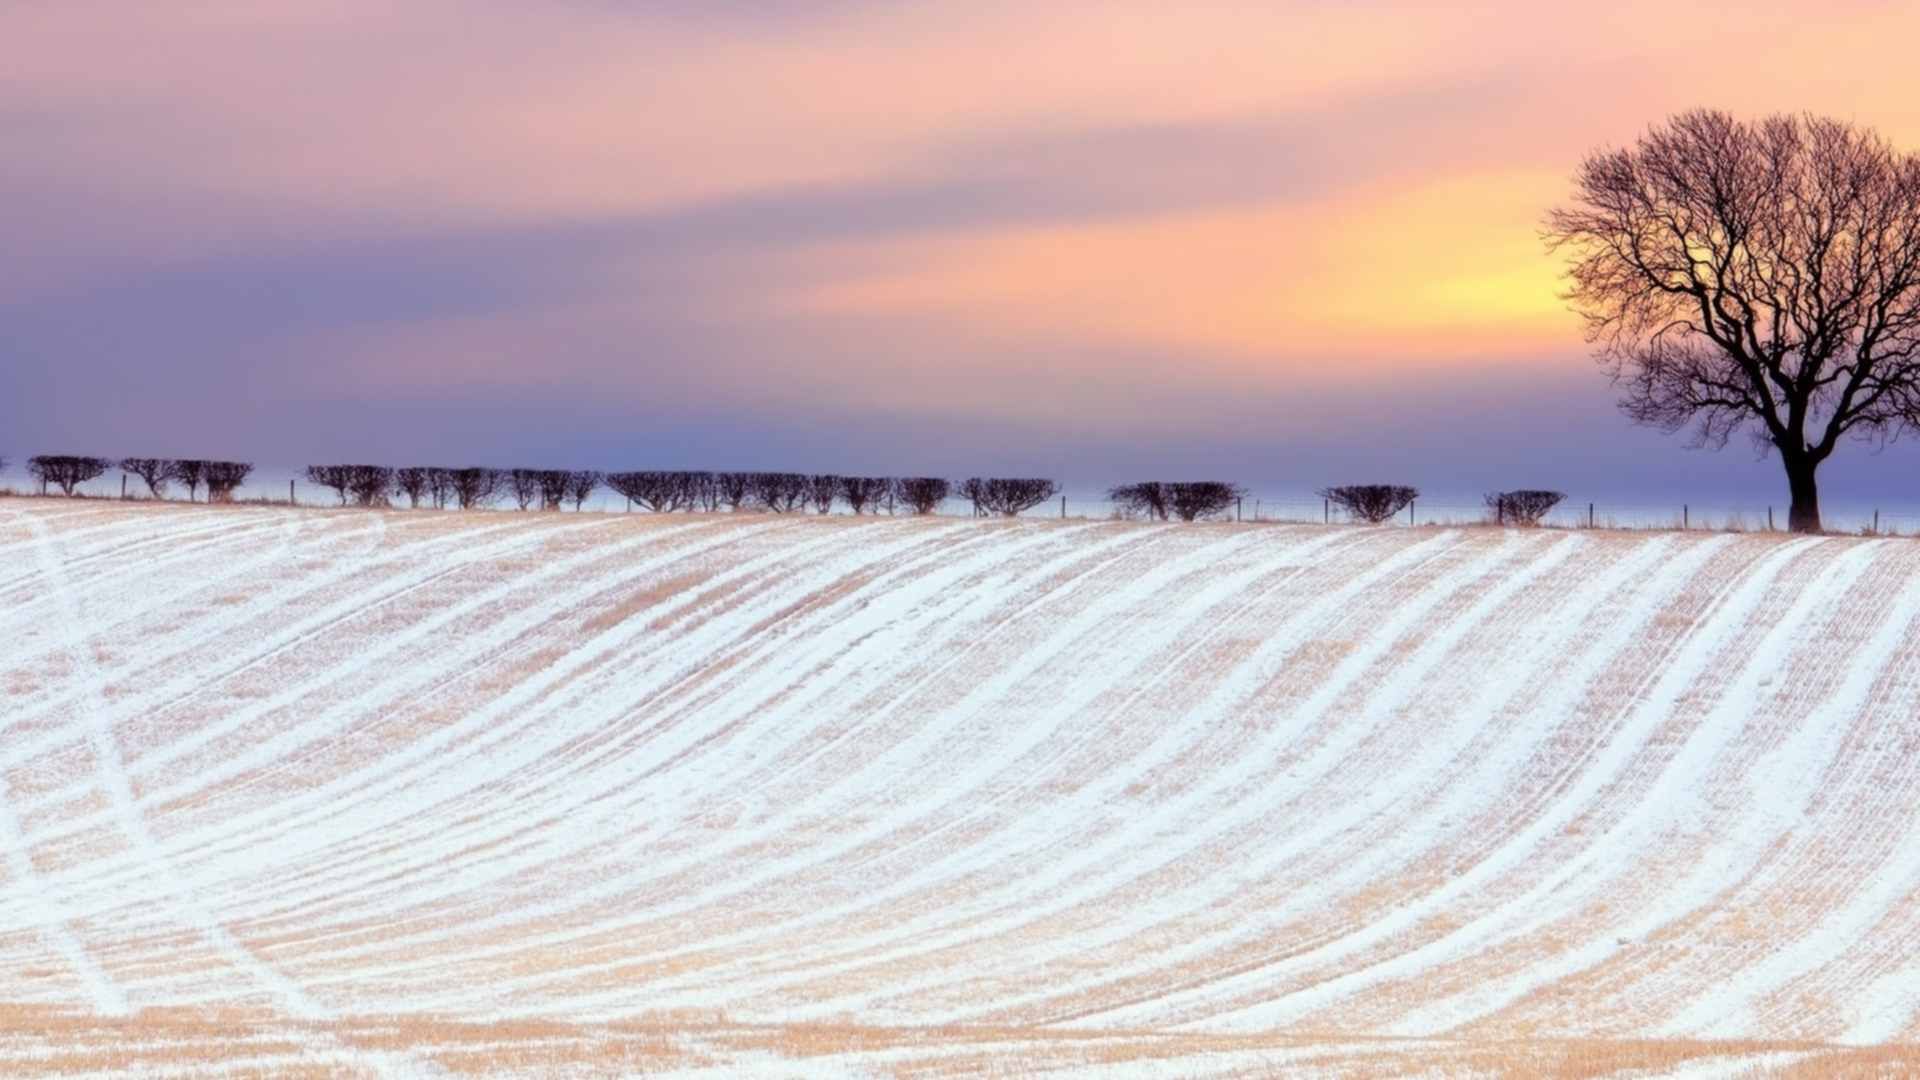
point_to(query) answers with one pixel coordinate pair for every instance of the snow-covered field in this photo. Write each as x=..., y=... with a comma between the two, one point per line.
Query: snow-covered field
x=400, y=794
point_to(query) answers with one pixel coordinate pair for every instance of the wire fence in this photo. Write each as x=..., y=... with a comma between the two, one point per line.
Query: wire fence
x=1574, y=513
x=276, y=487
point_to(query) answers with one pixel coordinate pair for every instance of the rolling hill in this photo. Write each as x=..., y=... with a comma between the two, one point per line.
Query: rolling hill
x=401, y=793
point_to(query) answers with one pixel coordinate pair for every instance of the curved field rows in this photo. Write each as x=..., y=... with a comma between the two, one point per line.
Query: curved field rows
x=410, y=794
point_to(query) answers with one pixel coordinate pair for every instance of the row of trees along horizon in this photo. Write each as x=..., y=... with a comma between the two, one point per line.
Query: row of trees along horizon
x=1758, y=278
x=477, y=487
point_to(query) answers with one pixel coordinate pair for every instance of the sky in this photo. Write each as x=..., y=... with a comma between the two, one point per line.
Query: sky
x=1289, y=244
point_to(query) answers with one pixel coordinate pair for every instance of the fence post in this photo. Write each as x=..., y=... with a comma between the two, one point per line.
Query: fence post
x=1256, y=509
x=1326, y=512
x=1769, y=519
x=1063, y=507
x=1236, y=508
x=290, y=493
x=1410, y=504
x=1876, y=517
x=1685, y=521
x=123, y=487
x=1589, y=515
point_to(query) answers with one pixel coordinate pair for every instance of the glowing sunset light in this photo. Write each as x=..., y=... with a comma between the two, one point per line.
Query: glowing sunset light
x=1112, y=538
x=1001, y=220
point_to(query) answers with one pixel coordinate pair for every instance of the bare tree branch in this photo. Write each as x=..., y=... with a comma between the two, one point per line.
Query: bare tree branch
x=1753, y=276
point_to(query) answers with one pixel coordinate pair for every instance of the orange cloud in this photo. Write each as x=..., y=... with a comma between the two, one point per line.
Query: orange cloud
x=1447, y=269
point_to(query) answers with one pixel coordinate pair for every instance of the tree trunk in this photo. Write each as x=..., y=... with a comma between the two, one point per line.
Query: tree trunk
x=1803, y=516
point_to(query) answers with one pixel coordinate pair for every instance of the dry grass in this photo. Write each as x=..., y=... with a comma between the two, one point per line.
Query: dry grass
x=54, y=1042
x=963, y=798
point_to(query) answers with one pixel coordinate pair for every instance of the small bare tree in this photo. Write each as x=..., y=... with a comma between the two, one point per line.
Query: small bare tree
x=440, y=485
x=782, y=493
x=1761, y=276
x=580, y=485
x=703, y=491
x=337, y=477
x=733, y=490
x=1196, y=499
x=865, y=492
x=223, y=477
x=190, y=471
x=413, y=481
x=1006, y=496
x=554, y=485
x=524, y=486
x=370, y=485
x=156, y=473
x=656, y=492
x=1524, y=507
x=1149, y=499
x=65, y=471
x=822, y=488
x=476, y=486
x=921, y=494
x=1371, y=503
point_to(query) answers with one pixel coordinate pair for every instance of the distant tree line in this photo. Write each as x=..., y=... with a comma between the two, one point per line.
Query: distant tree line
x=674, y=491
x=68, y=471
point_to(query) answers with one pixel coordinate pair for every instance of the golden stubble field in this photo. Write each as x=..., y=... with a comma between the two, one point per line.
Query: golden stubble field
x=392, y=793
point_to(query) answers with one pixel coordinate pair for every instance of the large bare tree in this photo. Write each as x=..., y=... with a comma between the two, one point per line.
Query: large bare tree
x=1760, y=277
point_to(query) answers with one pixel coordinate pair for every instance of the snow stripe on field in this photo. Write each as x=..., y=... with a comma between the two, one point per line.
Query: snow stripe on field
x=732, y=787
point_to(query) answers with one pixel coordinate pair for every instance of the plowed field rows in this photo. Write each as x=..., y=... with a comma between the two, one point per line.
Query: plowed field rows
x=414, y=793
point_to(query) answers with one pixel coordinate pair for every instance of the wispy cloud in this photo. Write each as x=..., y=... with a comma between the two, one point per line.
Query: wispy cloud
x=1069, y=227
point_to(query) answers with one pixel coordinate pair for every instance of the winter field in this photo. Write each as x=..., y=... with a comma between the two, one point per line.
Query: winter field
x=293, y=791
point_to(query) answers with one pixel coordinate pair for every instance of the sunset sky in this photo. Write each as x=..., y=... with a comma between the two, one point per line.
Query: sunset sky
x=1285, y=243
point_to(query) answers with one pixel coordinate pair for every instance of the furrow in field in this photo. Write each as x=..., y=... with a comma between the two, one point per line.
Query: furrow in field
x=268, y=750
x=985, y=836
x=1375, y=574
x=1658, y=857
x=1097, y=796
x=1189, y=824
x=1321, y=970
x=1657, y=752
x=417, y=756
x=618, y=890
x=540, y=792
x=151, y=630
x=833, y=880
x=181, y=904
x=1281, y=872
